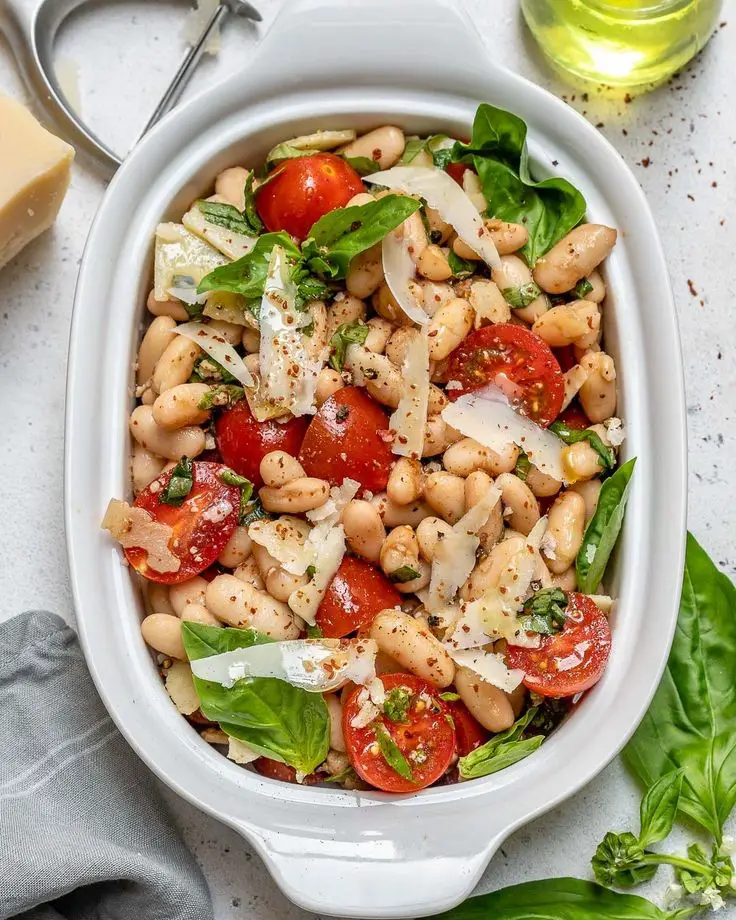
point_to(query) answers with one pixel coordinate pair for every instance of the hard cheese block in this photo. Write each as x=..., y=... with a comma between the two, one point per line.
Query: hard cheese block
x=35, y=168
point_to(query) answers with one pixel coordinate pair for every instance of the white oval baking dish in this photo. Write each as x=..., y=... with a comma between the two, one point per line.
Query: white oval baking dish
x=350, y=64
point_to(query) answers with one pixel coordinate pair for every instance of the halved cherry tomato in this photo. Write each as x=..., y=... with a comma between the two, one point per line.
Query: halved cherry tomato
x=356, y=594
x=274, y=769
x=201, y=525
x=456, y=171
x=243, y=441
x=426, y=739
x=469, y=733
x=572, y=660
x=304, y=189
x=537, y=386
x=574, y=417
x=343, y=441
x=565, y=357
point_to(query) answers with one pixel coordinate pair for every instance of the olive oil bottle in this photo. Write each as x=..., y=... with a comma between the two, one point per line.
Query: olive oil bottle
x=630, y=43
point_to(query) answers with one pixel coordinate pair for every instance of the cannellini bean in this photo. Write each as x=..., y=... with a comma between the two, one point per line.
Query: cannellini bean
x=172, y=445
x=439, y=230
x=148, y=397
x=394, y=515
x=239, y=604
x=405, y=481
x=410, y=642
x=249, y=572
x=575, y=377
x=461, y=249
x=365, y=273
x=565, y=525
x=438, y=436
x=574, y=257
x=158, y=337
x=489, y=303
x=590, y=490
x=477, y=485
x=237, y=549
x=598, y=392
x=383, y=145
x=513, y=275
x=251, y=340
x=163, y=633
x=445, y=493
x=415, y=236
x=486, y=703
x=598, y=292
x=448, y=327
x=433, y=264
x=278, y=468
x=435, y=295
x=360, y=198
x=342, y=310
x=521, y=509
x=329, y=382
x=542, y=484
x=179, y=406
x=315, y=344
x=334, y=710
x=569, y=323
x=379, y=332
x=364, y=530
x=264, y=560
x=567, y=580
x=467, y=455
x=144, y=467
x=280, y=583
x=517, y=698
x=157, y=598
x=399, y=342
x=485, y=576
x=198, y=613
x=416, y=584
x=231, y=332
x=230, y=184
x=187, y=592
x=430, y=532
x=296, y=497
x=170, y=308
x=176, y=364
x=580, y=461
x=386, y=305
x=507, y=237
x=400, y=548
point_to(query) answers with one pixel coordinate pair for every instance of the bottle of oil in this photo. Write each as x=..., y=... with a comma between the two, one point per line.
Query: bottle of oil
x=630, y=43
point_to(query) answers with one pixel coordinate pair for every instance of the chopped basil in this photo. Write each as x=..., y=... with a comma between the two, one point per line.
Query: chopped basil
x=252, y=511
x=221, y=396
x=582, y=288
x=364, y=166
x=308, y=287
x=308, y=330
x=413, y=148
x=314, y=632
x=342, y=776
x=403, y=574
x=311, y=571
x=523, y=465
x=606, y=455
x=180, y=484
x=247, y=222
x=449, y=697
x=397, y=703
x=391, y=753
x=231, y=478
x=522, y=296
x=206, y=369
x=346, y=334
x=502, y=750
x=544, y=612
x=460, y=268
x=247, y=275
x=442, y=157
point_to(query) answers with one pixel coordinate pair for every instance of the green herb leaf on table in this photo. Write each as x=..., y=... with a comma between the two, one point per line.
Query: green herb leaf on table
x=460, y=268
x=180, y=484
x=403, y=574
x=345, y=335
x=502, y=750
x=391, y=753
x=544, y=611
x=396, y=705
x=659, y=808
x=620, y=861
x=606, y=455
x=603, y=529
x=691, y=723
x=247, y=275
x=274, y=718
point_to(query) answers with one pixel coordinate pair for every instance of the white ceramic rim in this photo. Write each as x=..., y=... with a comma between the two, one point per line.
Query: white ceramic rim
x=321, y=849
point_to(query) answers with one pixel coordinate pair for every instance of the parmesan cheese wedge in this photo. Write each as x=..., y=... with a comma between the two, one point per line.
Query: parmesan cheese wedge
x=328, y=544
x=398, y=271
x=409, y=419
x=490, y=667
x=179, y=255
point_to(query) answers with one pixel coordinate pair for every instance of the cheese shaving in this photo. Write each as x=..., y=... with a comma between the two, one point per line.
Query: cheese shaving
x=409, y=419
x=217, y=347
x=180, y=687
x=228, y=242
x=240, y=752
x=286, y=539
x=179, y=253
x=134, y=527
x=328, y=543
x=398, y=271
x=490, y=667
x=340, y=496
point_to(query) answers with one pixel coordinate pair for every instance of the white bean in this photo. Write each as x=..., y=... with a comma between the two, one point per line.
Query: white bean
x=334, y=711
x=329, y=382
x=187, y=592
x=383, y=145
x=386, y=305
x=430, y=532
x=410, y=642
x=169, y=308
x=154, y=343
x=439, y=230
x=542, y=484
x=569, y=323
x=249, y=572
x=394, y=515
x=379, y=332
x=565, y=525
x=435, y=295
x=198, y=613
x=278, y=468
x=239, y=604
x=230, y=184
x=157, y=598
x=507, y=237
x=365, y=273
x=514, y=280
x=280, y=583
x=598, y=392
x=364, y=530
x=590, y=490
x=486, y=703
x=237, y=549
x=580, y=461
x=598, y=292
x=445, y=494
x=477, y=485
x=405, y=481
x=467, y=455
x=521, y=509
x=163, y=633
x=400, y=550
x=172, y=445
x=448, y=327
x=176, y=364
x=574, y=257
x=433, y=264
x=399, y=342
x=487, y=572
x=179, y=406
x=567, y=580
x=296, y=497
x=144, y=467
x=251, y=340
x=344, y=310
x=438, y=436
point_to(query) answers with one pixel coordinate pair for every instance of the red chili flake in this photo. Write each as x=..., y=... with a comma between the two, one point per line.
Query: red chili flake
x=645, y=162
x=691, y=287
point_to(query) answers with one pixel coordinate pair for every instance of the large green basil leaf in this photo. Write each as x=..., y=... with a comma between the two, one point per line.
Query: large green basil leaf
x=659, y=808
x=691, y=724
x=277, y=720
x=247, y=275
x=344, y=233
x=603, y=529
x=502, y=750
x=548, y=209
x=557, y=899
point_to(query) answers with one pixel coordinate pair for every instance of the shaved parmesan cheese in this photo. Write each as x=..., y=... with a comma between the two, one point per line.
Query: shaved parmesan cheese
x=288, y=374
x=317, y=665
x=180, y=253
x=187, y=295
x=603, y=602
x=217, y=347
x=410, y=417
x=399, y=270
x=474, y=190
x=135, y=527
x=231, y=244
x=320, y=140
x=490, y=667
x=442, y=193
x=240, y=752
x=180, y=687
x=454, y=557
x=340, y=497
x=286, y=539
x=616, y=431
x=328, y=543
x=488, y=418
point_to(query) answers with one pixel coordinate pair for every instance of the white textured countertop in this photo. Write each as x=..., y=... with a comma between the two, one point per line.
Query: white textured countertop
x=680, y=141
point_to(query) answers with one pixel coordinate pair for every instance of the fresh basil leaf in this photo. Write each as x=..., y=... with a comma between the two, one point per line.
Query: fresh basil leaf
x=620, y=861
x=347, y=773
x=659, y=808
x=403, y=574
x=207, y=369
x=274, y=718
x=582, y=288
x=501, y=751
x=180, y=484
x=253, y=511
x=523, y=465
x=247, y=223
x=442, y=158
x=247, y=275
x=414, y=146
x=344, y=233
x=606, y=455
x=522, y=296
x=308, y=288
x=231, y=478
x=460, y=268
x=250, y=214
x=311, y=571
x=344, y=335
x=556, y=899
x=705, y=873
x=544, y=612
x=397, y=703
x=363, y=166
x=548, y=209
x=691, y=723
x=391, y=753
x=314, y=632
x=449, y=697
x=603, y=529
x=221, y=396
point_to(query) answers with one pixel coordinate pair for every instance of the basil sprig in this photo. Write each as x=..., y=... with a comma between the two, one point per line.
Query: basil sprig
x=397, y=703
x=345, y=335
x=391, y=752
x=606, y=455
x=247, y=275
x=544, y=612
x=502, y=750
x=180, y=484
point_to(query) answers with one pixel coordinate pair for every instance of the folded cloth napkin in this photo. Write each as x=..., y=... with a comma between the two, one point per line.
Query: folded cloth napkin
x=84, y=834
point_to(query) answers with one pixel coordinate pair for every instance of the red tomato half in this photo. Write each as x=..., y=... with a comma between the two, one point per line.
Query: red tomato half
x=356, y=594
x=537, y=385
x=470, y=733
x=202, y=524
x=572, y=660
x=574, y=417
x=243, y=441
x=343, y=441
x=426, y=739
x=274, y=769
x=456, y=171
x=304, y=189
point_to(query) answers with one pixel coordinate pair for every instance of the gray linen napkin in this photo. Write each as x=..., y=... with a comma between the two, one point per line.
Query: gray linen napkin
x=83, y=832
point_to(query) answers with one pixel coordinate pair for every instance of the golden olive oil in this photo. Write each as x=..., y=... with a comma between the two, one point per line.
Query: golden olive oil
x=621, y=42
